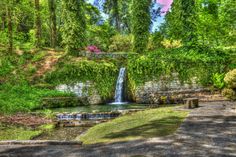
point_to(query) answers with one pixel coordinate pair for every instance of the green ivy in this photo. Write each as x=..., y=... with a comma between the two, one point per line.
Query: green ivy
x=187, y=63
x=103, y=74
x=74, y=26
x=141, y=21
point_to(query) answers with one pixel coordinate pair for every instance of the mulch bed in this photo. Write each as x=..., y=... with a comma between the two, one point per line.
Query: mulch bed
x=27, y=120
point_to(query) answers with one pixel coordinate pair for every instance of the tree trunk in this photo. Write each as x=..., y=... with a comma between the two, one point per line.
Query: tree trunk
x=53, y=24
x=3, y=25
x=10, y=30
x=116, y=15
x=37, y=24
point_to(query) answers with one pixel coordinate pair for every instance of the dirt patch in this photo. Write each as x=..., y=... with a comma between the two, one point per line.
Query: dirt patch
x=47, y=63
x=27, y=120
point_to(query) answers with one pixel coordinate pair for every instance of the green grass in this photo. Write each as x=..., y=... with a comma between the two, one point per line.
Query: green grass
x=17, y=133
x=144, y=124
x=23, y=98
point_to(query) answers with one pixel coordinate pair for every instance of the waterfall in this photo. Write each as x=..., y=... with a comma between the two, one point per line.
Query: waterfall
x=120, y=87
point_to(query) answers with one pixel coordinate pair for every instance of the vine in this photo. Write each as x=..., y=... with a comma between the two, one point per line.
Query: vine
x=103, y=74
x=187, y=63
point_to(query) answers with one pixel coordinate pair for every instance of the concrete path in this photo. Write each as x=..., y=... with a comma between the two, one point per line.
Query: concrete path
x=208, y=131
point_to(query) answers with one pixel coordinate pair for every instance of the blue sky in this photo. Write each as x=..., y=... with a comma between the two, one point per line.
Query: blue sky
x=155, y=26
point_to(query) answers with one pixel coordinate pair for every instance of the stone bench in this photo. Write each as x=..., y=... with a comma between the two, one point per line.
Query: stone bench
x=191, y=103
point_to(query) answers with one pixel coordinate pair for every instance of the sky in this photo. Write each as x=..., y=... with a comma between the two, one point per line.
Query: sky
x=165, y=6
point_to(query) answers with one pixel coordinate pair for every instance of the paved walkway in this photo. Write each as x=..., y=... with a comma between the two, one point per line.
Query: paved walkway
x=208, y=131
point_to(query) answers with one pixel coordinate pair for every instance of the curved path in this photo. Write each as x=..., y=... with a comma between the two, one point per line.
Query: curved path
x=208, y=131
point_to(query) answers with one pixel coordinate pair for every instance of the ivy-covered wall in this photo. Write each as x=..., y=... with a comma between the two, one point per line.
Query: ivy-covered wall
x=101, y=73
x=179, y=67
x=174, y=73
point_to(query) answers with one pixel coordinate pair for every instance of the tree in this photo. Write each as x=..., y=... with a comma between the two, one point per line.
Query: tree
x=10, y=27
x=74, y=25
x=118, y=12
x=141, y=21
x=111, y=7
x=53, y=24
x=37, y=24
x=182, y=20
x=3, y=20
x=228, y=21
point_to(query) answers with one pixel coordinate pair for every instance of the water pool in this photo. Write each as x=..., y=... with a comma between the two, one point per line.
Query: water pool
x=100, y=108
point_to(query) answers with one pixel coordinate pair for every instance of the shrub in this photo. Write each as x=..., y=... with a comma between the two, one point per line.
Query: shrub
x=218, y=80
x=230, y=79
x=229, y=93
x=171, y=44
x=121, y=43
x=155, y=41
x=93, y=49
x=100, y=35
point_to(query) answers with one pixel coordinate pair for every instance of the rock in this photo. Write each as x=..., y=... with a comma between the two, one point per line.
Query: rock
x=166, y=90
x=94, y=98
x=86, y=92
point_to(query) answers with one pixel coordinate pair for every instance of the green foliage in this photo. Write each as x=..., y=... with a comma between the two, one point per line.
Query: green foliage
x=155, y=41
x=119, y=15
x=22, y=97
x=6, y=66
x=100, y=35
x=218, y=80
x=39, y=56
x=3, y=37
x=121, y=43
x=227, y=13
x=182, y=22
x=74, y=26
x=187, y=63
x=10, y=63
x=47, y=127
x=141, y=21
x=102, y=73
x=17, y=133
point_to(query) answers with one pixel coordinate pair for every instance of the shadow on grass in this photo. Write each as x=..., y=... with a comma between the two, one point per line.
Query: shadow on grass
x=155, y=128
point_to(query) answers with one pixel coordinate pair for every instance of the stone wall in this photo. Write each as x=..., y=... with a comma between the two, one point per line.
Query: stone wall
x=167, y=90
x=86, y=92
x=104, y=55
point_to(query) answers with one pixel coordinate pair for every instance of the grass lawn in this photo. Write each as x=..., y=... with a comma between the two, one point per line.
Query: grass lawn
x=145, y=124
x=17, y=133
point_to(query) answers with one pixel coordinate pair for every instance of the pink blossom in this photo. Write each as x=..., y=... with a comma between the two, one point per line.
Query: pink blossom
x=93, y=49
x=166, y=5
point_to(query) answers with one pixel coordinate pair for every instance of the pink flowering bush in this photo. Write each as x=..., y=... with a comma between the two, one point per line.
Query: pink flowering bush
x=166, y=5
x=93, y=49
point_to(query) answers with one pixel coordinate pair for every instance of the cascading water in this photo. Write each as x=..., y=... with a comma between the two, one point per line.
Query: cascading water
x=120, y=87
